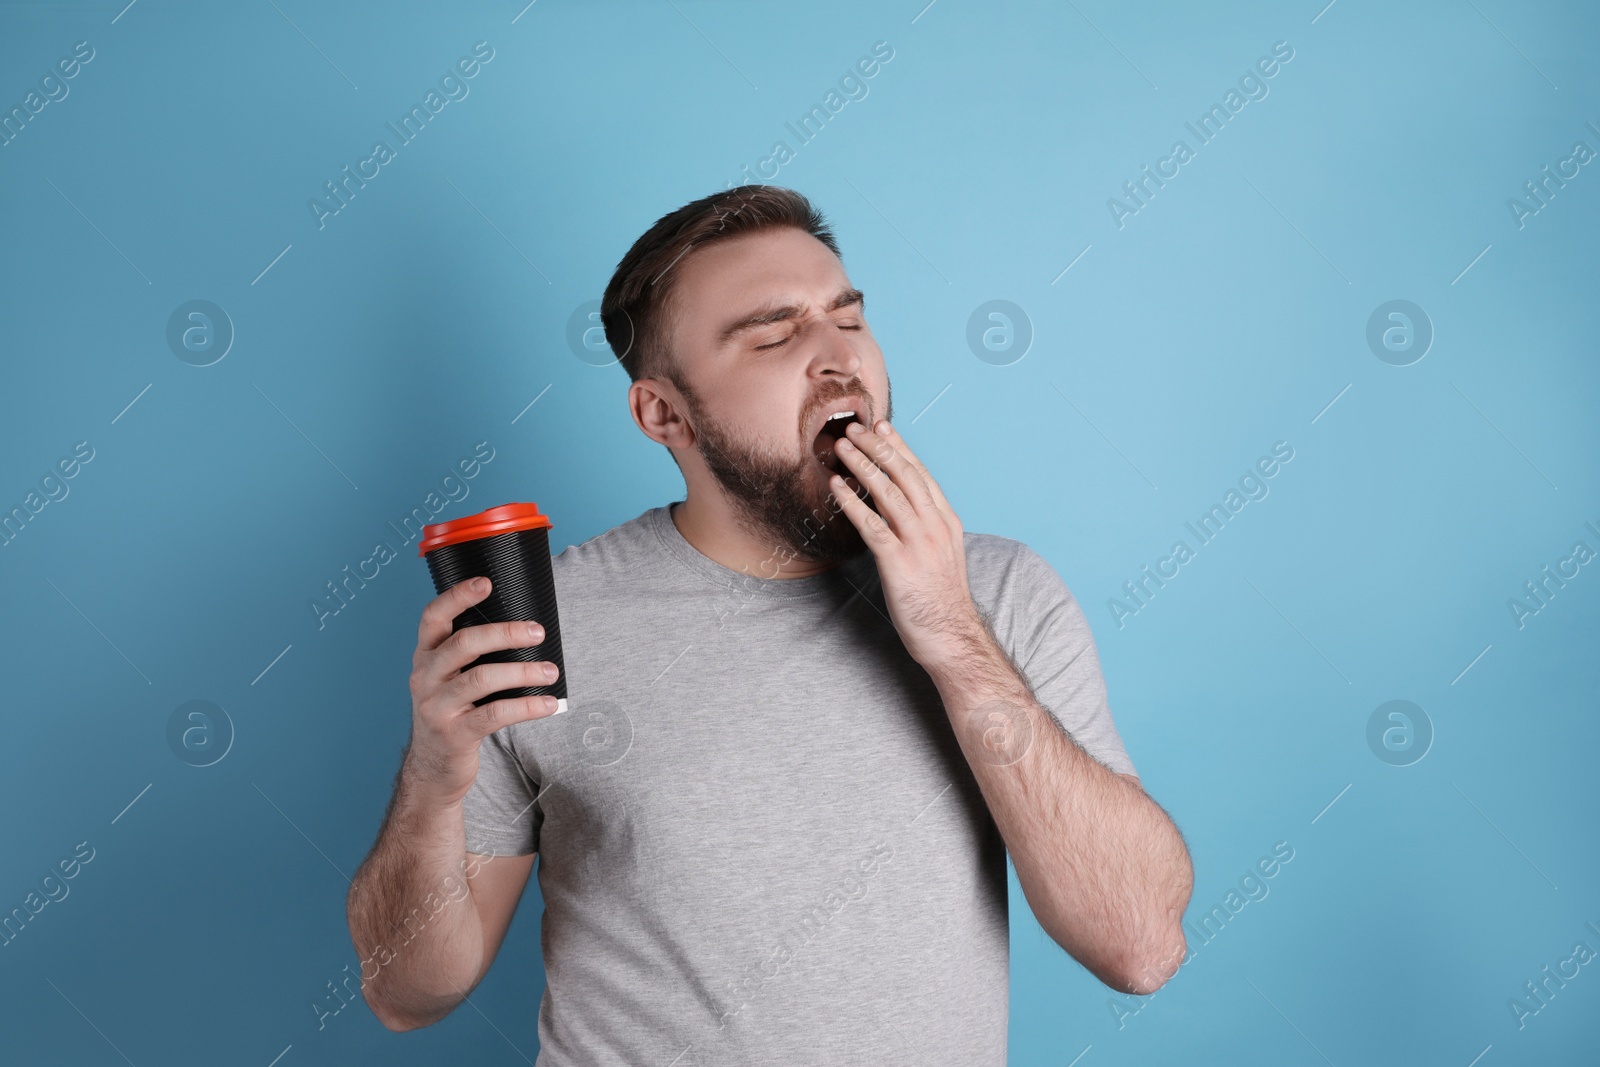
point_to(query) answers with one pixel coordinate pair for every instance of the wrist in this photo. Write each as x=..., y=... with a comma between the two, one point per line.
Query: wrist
x=420, y=795
x=964, y=645
x=978, y=672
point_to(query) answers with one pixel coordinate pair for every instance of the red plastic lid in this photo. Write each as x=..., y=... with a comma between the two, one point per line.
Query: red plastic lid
x=507, y=518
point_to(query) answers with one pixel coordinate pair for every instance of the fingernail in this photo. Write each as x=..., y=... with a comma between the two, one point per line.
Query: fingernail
x=479, y=584
x=884, y=428
x=535, y=631
x=855, y=427
x=844, y=445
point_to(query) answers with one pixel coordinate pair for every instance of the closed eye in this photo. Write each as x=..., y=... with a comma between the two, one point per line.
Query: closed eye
x=784, y=341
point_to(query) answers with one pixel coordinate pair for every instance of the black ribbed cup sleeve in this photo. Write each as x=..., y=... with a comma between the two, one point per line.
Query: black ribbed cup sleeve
x=518, y=563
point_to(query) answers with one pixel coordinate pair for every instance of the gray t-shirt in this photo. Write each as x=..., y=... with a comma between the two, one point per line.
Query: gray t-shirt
x=759, y=840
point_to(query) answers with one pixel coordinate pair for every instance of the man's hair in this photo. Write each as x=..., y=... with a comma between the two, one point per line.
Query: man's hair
x=636, y=311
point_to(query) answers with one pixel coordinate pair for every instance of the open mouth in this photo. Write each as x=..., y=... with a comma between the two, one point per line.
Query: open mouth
x=832, y=430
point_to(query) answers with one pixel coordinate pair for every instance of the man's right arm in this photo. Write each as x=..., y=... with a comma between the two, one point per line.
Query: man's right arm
x=426, y=915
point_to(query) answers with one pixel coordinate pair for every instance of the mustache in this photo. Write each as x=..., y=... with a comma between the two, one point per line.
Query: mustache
x=844, y=392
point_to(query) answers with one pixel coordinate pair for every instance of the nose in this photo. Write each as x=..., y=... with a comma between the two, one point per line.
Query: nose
x=835, y=352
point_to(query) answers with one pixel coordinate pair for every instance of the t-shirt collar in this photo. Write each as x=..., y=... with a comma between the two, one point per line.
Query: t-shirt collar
x=659, y=519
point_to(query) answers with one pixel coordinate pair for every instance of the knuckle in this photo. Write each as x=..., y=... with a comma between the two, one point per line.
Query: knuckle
x=456, y=643
x=534, y=706
x=487, y=677
x=431, y=730
x=499, y=713
x=438, y=694
x=422, y=675
x=490, y=717
x=441, y=607
x=462, y=687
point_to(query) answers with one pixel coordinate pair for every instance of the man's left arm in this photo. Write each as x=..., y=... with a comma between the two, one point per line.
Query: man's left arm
x=1103, y=867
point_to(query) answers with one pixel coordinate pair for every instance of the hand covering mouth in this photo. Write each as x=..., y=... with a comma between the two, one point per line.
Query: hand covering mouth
x=832, y=430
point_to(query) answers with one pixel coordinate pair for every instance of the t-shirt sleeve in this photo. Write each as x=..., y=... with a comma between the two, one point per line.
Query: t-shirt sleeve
x=501, y=814
x=1054, y=648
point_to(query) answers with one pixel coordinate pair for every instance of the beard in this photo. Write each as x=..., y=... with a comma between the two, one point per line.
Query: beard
x=781, y=501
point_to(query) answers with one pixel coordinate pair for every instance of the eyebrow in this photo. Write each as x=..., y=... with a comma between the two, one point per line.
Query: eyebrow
x=766, y=315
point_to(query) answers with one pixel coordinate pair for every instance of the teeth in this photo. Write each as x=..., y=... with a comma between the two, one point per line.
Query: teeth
x=840, y=415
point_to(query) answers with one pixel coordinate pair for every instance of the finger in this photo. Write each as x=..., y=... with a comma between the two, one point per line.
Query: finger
x=908, y=464
x=439, y=616
x=470, y=642
x=906, y=482
x=874, y=530
x=892, y=502
x=475, y=684
x=497, y=713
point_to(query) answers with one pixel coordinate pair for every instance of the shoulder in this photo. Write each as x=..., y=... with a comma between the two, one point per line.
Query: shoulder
x=614, y=551
x=628, y=551
x=1003, y=563
x=1016, y=587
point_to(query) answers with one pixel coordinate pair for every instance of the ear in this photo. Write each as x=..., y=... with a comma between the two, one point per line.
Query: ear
x=658, y=410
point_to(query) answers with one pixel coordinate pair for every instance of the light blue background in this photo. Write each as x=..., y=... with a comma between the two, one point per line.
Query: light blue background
x=426, y=316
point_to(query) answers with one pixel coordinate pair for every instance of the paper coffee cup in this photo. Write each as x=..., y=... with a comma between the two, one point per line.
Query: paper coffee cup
x=510, y=546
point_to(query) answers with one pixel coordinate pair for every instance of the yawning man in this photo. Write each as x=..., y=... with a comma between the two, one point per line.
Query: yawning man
x=809, y=718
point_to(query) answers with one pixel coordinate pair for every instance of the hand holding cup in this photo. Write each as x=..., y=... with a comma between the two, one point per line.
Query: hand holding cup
x=447, y=722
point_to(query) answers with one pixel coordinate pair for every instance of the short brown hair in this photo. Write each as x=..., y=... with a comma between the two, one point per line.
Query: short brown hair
x=635, y=311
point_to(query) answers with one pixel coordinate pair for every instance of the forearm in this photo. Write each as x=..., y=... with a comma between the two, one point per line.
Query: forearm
x=1103, y=868
x=412, y=915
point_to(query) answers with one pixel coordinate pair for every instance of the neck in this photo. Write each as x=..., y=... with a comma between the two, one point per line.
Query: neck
x=713, y=527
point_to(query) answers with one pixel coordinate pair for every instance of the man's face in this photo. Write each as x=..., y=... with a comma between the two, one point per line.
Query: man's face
x=769, y=338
